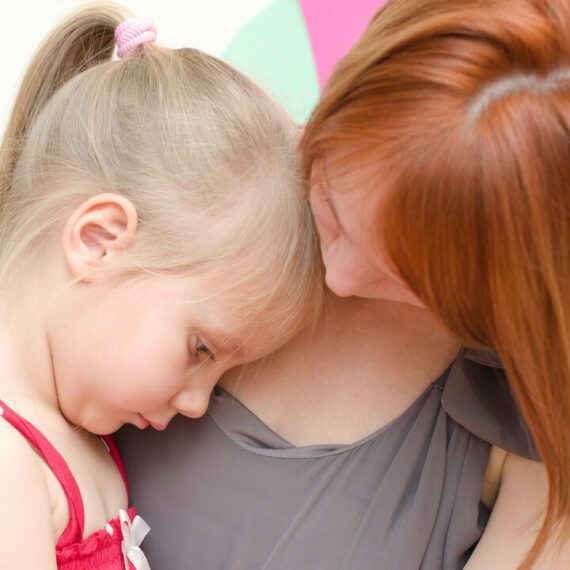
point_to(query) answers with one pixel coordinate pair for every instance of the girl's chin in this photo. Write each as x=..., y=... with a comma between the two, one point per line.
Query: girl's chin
x=103, y=427
x=108, y=426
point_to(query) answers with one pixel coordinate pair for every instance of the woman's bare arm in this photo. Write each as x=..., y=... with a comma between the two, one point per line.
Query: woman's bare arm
x=516, y=519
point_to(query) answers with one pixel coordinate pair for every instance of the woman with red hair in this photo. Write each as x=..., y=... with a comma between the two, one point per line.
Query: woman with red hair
x=439, y=157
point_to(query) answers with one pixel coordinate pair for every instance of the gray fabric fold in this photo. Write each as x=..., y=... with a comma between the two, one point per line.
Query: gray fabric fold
x=227, y=493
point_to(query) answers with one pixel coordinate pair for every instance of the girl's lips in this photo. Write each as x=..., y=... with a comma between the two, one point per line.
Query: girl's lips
x=142, y=422
x=158, y=427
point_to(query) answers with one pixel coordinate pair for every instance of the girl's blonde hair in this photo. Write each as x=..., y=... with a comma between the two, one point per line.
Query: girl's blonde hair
x=206, y=157
x=464, y=107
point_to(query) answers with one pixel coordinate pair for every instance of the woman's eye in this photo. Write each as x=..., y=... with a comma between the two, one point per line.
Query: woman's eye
x=322, y=193
x=203, y=350
x=323, y=209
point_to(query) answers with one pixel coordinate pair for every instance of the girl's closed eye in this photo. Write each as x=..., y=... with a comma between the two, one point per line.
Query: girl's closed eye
x=201, y=350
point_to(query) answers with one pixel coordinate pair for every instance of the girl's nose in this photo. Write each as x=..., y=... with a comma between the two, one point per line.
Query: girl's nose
x=193, y=401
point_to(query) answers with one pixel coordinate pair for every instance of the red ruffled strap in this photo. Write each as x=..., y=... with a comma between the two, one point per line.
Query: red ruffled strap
x=109, y=441
x=74, y=530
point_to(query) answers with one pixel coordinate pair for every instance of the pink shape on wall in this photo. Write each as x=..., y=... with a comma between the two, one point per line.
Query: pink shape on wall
x=333, y=26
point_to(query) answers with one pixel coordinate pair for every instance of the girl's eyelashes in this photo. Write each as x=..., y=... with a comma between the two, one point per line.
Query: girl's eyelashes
x=202, y=350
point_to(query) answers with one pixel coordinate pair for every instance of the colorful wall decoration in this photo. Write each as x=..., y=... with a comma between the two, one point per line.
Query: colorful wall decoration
x=291, y=46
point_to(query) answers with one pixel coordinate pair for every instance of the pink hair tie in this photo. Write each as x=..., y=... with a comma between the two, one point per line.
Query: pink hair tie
x=132, y=33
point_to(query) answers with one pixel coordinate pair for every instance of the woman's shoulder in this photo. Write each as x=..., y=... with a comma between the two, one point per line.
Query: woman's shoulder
x=477, y=396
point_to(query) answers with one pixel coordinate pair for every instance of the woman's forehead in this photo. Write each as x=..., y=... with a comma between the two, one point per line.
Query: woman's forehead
x=350, y=169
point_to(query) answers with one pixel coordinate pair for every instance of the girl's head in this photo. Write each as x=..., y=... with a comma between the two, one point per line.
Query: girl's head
x=152, y=217
x=443, y=143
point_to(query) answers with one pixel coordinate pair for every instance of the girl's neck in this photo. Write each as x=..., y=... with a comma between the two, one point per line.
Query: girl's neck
x=26, y=381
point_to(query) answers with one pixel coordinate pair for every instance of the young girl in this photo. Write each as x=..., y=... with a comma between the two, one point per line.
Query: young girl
x=153, y=234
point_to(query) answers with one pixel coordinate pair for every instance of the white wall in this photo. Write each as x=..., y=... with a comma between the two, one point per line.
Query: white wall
x=205, y=24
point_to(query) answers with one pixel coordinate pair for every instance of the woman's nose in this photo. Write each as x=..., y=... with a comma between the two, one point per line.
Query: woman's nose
x=193, y=401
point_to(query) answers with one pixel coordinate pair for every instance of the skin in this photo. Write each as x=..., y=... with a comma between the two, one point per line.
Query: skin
x=344, y=207
x=156, y=354
x=101, y=349
x=124, y=348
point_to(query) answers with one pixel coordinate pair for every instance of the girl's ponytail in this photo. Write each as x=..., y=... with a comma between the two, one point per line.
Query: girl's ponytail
x=83, y=40
x=183, y=136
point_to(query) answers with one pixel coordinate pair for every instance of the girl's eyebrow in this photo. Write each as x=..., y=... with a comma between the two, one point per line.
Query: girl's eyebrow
x=221, y=340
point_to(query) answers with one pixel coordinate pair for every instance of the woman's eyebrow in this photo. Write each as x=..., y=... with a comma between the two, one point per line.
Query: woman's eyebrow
x=333, y=208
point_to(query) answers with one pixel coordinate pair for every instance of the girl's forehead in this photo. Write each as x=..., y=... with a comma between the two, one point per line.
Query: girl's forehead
x=232, y=313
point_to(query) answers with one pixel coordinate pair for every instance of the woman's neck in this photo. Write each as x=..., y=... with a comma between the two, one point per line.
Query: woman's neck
x=363, y=364
x=382, y=321
x=371, y=333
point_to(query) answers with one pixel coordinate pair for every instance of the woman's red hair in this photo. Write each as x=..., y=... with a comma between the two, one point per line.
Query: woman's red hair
x=464, y=107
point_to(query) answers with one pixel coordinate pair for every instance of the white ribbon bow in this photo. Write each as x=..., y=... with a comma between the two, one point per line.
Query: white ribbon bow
x=133, y=534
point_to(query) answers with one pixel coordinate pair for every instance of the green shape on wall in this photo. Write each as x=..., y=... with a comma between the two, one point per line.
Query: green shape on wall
x=273, y=49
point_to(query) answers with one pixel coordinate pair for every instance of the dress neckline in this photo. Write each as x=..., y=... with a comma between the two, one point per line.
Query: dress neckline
x=248, y=431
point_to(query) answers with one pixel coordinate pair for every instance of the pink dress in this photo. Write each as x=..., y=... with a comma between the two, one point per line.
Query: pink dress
x=115, y=547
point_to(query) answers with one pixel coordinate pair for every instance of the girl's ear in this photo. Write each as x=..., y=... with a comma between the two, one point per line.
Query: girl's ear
x=97, y=230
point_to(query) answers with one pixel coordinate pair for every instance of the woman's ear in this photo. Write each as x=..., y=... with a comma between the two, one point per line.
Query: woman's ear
x=101, y=227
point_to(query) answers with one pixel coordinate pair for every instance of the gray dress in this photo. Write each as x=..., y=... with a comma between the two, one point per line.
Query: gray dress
x=226, y=493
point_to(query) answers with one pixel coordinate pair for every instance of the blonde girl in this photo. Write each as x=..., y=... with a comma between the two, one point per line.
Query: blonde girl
x=153, y=234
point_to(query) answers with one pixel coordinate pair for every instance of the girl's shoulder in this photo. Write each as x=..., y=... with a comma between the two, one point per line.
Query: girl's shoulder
x=25, y=505
x=18, y=457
